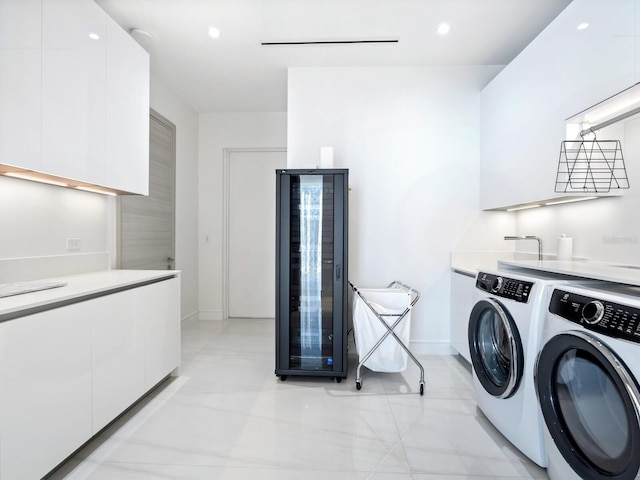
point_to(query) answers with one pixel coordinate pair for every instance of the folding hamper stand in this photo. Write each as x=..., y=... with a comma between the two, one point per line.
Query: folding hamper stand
x=392, y=307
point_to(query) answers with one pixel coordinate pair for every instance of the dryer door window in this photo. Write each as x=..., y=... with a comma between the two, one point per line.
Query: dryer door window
x=495, y=347
x=590, y=405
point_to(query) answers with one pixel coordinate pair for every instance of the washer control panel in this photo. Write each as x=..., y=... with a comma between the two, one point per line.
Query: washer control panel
x=609, y=318
x=504, y=287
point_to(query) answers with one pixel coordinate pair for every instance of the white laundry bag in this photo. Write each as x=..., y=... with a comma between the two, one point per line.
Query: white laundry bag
x=389, y=356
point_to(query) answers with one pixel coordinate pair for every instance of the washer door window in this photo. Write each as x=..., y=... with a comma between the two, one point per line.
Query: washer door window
x=590, y=404
x=495, y=348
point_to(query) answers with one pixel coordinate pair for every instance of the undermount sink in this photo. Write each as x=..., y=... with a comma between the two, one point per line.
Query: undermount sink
x=12, y=289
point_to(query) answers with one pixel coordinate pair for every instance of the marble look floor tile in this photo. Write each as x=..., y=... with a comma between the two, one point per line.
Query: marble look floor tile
x=427, y=476
x=229, y=417
x=137, y=471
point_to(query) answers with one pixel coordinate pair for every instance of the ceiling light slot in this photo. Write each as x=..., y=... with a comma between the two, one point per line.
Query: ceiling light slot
x=337, y=41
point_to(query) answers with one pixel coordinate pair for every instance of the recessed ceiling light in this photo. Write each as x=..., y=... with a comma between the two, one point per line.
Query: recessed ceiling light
x=583, y=25
x=94, y=36
x=214, y=32
x=444, y=28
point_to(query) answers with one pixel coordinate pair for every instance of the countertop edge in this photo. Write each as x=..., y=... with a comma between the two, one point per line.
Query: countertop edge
x=608, y=272
x=79, y=288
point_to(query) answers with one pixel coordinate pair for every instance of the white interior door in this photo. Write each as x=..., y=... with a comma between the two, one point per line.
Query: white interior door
x=251, y=232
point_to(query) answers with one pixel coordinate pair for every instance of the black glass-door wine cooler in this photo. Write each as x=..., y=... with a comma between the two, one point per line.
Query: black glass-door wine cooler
x=311, y=272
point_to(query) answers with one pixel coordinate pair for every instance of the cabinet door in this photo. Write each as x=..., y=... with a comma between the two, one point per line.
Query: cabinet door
x=127, y=112
x=20, y=83
x=118, y=355
x=45, y=389
x=522, y=125
x=497, y=142
x=462, y=291
x=158, y=308
x=636, y=78
x=73, y=89
x=599, y=59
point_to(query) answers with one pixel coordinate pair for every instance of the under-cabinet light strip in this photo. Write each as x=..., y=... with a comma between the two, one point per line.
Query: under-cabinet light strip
x=523, y=207
x=572, y=200
x=34, y=178
x=95, y=190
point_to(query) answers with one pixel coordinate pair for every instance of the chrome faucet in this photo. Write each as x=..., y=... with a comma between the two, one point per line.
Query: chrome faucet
x=528, y=237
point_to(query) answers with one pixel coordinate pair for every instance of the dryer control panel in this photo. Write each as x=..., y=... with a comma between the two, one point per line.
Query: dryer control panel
x=609, y=318
x=518, y=290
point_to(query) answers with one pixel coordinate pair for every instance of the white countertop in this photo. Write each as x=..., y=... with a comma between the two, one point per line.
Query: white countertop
x=471, y=262
x=77, y=287
x=581, y=268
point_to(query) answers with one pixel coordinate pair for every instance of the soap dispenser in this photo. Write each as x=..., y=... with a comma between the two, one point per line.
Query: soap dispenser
x=565, y=248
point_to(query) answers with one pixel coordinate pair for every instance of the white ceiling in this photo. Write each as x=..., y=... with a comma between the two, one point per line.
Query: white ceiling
x=235, y=73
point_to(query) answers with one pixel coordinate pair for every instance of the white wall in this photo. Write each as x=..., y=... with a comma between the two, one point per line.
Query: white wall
x=410, y=137
x=217, y=132
x=606, y=229
x=165, y=102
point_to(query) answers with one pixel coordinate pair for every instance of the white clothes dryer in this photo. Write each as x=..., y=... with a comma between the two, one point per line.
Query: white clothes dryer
x=505, y=334
x=587, y=383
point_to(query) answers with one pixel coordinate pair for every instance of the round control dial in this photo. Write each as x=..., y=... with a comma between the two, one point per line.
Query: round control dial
x=593, y=312
x=496, y=285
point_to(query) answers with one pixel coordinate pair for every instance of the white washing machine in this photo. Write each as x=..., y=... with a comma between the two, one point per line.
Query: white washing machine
x=505, y=334
x=587, y=382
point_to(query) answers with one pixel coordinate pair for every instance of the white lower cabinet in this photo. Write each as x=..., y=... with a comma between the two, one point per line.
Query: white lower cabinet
x=158, y=307
x=67, y=372
x=462, y=290
x=45, y=390
x=117, y=343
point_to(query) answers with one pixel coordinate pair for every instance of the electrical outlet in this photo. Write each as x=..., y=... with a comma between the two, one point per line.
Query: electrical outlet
x=73, y=244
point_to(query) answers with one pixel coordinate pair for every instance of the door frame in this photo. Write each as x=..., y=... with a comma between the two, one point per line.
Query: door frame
x=226, y=204
x=118, y=251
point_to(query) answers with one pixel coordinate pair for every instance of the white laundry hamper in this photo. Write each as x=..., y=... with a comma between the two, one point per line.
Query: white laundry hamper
x=382, y=328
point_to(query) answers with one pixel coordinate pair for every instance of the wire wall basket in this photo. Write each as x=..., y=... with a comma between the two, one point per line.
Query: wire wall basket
x=591, y=166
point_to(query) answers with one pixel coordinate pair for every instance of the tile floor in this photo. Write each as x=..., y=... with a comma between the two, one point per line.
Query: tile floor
x=228, y=417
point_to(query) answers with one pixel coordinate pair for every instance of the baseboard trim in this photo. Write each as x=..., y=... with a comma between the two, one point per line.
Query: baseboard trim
x=425, y=347
x=216, y=315
x=192, y=316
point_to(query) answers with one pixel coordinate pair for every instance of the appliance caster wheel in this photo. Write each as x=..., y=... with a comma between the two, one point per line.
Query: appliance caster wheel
x=337, y=379
x=358, y=385
x=283, y=378
x=422, y=389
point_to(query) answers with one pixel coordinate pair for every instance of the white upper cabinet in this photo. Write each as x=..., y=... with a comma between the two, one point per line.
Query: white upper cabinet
x=73, y=89
x=522, y=126
x=74, y=94
x=560, y=73
x=20, y=83
x=600, y=57
x=636, y=73
x=127, y=112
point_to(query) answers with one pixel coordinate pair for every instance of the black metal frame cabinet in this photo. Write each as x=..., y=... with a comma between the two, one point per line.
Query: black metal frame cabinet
x=311, y=272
